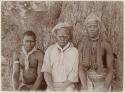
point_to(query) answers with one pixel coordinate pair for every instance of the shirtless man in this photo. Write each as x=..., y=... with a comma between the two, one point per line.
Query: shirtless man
x=95, y=73
x=27, y=64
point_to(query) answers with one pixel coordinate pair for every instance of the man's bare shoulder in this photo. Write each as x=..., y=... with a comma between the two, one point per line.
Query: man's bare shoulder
x=39, y=52
x=106, y=44
x=16, y=54
x=17, y=50
x=83, y=41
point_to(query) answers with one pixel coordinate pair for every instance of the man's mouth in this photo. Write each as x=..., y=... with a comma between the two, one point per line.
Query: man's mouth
x=62, y=42
x=28, y=47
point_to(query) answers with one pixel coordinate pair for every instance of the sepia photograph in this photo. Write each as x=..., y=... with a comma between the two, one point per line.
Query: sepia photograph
x=74, y=46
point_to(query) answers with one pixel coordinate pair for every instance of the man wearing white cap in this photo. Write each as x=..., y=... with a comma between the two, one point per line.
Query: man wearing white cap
x=94, y=72
x=60, y=65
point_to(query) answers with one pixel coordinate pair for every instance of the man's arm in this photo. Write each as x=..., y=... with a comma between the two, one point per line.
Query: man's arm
x=46, y=68
x=39, y=73
x=83, y=77
x=16, y=71
x=82, y=68
x=109, y=60
x=73, y=75
x=49, y=81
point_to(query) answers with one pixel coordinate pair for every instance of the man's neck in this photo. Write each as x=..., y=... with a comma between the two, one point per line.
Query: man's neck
x=64, y=46
x=27, y=51
x=94, y=38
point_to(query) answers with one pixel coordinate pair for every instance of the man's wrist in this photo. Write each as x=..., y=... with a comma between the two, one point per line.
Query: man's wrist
x=106, y=87
x=85, y=88
x=67, y=83
x=50, y=88
x=32, y=89
x=15, y=88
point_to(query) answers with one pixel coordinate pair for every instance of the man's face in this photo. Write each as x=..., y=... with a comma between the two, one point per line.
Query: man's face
x=93, y=29
x=29, y=43
x=63, y=37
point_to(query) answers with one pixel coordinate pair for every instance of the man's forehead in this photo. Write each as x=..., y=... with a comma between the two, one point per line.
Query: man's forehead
x=28, y=37
x=63, y=34
x=63, y=31
x=92, y=23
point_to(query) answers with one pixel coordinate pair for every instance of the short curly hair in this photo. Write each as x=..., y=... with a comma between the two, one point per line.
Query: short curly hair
x=29, y=33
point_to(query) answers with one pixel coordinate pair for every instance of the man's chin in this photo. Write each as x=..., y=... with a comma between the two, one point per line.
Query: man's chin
x=93, y=36
x=63, y=44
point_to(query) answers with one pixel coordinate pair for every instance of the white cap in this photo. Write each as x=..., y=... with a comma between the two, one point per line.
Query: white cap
x=62, y=25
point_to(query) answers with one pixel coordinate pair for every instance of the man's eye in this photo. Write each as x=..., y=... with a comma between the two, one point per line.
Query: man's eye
x=92, y=26
x=27, y=41
x=30, y=41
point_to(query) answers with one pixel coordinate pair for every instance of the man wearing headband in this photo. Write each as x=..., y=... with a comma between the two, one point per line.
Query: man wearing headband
x=95, y=73
x=60, y=65
x=27, y=64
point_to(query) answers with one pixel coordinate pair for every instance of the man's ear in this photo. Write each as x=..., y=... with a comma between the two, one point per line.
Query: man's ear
x=99, y=25
x=22, y=41
x=54, y=33
x=85, y=27
x=70, y=37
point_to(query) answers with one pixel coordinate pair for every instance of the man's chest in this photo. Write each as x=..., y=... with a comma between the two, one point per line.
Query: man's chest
x=64, y=59
x=33, y=60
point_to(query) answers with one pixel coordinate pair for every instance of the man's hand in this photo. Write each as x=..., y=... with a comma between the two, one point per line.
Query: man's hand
x=49, y=81
x=50, y=88
x=62, y=86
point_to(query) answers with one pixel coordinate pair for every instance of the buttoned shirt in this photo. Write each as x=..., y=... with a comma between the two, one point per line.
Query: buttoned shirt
x=61, y=63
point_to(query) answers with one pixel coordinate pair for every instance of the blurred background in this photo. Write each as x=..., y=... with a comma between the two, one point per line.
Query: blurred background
x=42, y=16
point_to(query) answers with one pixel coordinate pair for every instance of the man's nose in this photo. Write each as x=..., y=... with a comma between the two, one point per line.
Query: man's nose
x=92, y=29
x=62, y=38
x=29, y=43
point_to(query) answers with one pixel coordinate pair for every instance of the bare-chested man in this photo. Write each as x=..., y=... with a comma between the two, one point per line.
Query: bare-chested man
x=27, y=64
x=95, y=73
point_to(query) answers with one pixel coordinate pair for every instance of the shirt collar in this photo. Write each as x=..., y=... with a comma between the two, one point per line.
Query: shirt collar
x=65, y=47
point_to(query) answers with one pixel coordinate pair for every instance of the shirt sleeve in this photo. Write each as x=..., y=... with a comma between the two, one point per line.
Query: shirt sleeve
x=46, y=63
x=73, y=75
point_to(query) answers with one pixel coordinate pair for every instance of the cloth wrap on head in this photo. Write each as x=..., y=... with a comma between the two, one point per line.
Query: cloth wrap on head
x=94, y=18
x=91, y=18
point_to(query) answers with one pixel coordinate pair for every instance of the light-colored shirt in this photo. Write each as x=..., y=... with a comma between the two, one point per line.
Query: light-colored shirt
x=61, y=63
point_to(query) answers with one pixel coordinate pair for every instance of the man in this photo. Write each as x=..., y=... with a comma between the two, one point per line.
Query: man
x=27, y=64
x=60, y=65
x=95, y=73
